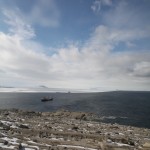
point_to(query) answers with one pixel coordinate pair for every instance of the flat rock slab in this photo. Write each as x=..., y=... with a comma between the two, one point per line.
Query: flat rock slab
x=146, y=146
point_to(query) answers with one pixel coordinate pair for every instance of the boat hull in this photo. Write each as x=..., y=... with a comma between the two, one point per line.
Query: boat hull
x=46, y=99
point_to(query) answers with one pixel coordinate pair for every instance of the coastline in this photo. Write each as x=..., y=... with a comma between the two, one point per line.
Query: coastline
x=29, y=130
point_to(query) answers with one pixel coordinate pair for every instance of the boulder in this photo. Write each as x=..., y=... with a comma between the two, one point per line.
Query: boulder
x=146, y=146
x=5, y=142
x=24, y=126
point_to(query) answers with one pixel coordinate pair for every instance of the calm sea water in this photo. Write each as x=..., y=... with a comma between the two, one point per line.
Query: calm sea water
x=128, y=108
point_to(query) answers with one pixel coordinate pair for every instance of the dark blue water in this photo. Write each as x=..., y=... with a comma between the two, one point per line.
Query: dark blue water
x=128, y=108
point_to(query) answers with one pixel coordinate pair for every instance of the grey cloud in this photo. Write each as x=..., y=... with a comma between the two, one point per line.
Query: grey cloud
x=142, y=69
x=2, y=71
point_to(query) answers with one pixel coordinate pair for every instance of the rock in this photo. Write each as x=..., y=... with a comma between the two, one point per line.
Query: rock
x=80, y=116
x=99, y=132
x=6, y=113
x=43, y=134
x=23, y=126
x=124, y=141
x=1, y=135
x=117, y=133
x=5, y=142
x=146, y=146
x=131, y=142
x=35, y=140
x=4, y=126
x=20, y=147
x=114, y=127
x=75, y=128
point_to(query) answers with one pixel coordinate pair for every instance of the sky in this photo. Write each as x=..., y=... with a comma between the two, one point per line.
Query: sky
x=94, y=45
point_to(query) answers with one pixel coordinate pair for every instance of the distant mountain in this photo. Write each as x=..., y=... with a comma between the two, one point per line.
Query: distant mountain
x=43, y=86
x=6, y=87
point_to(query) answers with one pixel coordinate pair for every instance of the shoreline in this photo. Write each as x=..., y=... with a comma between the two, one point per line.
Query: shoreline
x=62, y=129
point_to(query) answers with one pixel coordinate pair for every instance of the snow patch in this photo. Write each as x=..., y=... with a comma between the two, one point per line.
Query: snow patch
x=6, y=146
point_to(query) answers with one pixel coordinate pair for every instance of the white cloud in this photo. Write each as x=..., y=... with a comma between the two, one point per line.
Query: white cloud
x=42, y=13
x=91, y=65
x=97, y=4
x=18, y=27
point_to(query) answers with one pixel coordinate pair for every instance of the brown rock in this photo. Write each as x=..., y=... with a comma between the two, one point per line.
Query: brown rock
x=146, y=146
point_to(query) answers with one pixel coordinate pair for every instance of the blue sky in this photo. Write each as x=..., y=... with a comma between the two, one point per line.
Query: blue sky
x=75, y=44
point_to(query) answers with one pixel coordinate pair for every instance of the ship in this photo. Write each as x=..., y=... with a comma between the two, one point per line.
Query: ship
x=45, y=99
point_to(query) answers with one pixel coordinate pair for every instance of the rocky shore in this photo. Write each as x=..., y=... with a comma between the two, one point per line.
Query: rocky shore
x=65, y=130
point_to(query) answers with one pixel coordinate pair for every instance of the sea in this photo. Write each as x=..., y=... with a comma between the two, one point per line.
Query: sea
x=122, y=107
